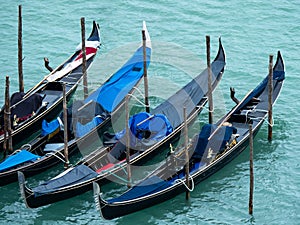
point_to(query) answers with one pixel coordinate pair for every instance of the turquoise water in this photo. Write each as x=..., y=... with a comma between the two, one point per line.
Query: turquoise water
x=250, y=30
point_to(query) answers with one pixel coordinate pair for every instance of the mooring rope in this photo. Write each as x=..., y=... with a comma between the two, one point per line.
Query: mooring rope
x=189, y=189
x=136, y=88
x=26, y=146
x=54, y=154
x=207, y=109
x=265, y=119
x=139, y=101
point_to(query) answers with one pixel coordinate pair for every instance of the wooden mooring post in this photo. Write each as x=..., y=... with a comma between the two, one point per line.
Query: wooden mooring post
x=270, y=98
x=187, y=170
x=210, y=98
x=145, y=73
x=7, y=144
x=83, y=49
x=20, y=55
x=66, y=152
x=127, y=130
x=251, y=168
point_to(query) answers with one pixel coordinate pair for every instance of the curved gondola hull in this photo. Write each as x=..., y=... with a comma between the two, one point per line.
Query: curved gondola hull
x=117, y=170
x=49, y=92
x=255, y=114
x=117, y=86
x=112, y=211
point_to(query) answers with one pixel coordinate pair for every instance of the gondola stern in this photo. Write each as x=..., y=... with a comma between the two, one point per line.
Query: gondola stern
x=95, y=34
x=221, y=52
x=100, y=203
x=147, y=35
x=278, y=69
x=23, y=188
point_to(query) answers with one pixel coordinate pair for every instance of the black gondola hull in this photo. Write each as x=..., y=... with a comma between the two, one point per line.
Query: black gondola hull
x=31, y=127
x=73, y=190
x=254, y=108
x=50, y=161
x=111, y=211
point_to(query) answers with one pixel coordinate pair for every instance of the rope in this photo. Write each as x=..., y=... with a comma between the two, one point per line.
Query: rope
x=265, y=119
x=260, y=118
x=261, y=110
x=143, y=104
x=54, y=154
x=139, y=91
x=28, y=146
x=181, y=181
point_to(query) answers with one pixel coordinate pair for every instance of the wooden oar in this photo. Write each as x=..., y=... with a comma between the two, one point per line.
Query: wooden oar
x=229, y=114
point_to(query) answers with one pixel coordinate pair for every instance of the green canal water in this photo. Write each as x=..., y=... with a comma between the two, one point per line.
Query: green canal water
x=250, y=31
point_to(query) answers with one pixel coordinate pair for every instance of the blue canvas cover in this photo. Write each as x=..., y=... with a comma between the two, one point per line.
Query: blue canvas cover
x=217, y=143
x=107, y=97
x=48, y=128
x=145, y=129
x=17, y=159
x=146, y=187
x=82, y=129
x=113, y=91
x=77, y=174
x=147, y=126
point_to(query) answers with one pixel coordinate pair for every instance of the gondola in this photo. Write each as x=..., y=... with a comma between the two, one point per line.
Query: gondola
x=87, y=119
x=155, y=131
x=210, y=150
x=44, y=101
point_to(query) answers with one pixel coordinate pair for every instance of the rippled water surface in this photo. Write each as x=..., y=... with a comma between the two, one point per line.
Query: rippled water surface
x=250, y=31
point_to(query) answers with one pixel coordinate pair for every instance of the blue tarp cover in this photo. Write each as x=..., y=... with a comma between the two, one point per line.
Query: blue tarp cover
x=110, y=94
x=17, y=159
x=48, y=128
x=81, y=129
x=217, y=142
x=113, y=91
x=145, y=129
x=77, y=174
x=146, y=126
x=146, y=187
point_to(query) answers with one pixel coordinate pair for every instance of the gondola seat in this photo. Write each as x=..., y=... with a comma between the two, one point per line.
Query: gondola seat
x=216, y=144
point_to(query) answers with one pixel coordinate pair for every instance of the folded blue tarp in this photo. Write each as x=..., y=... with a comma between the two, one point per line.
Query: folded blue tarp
x=143, y=125
x=48, y=128
x=17, y=159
